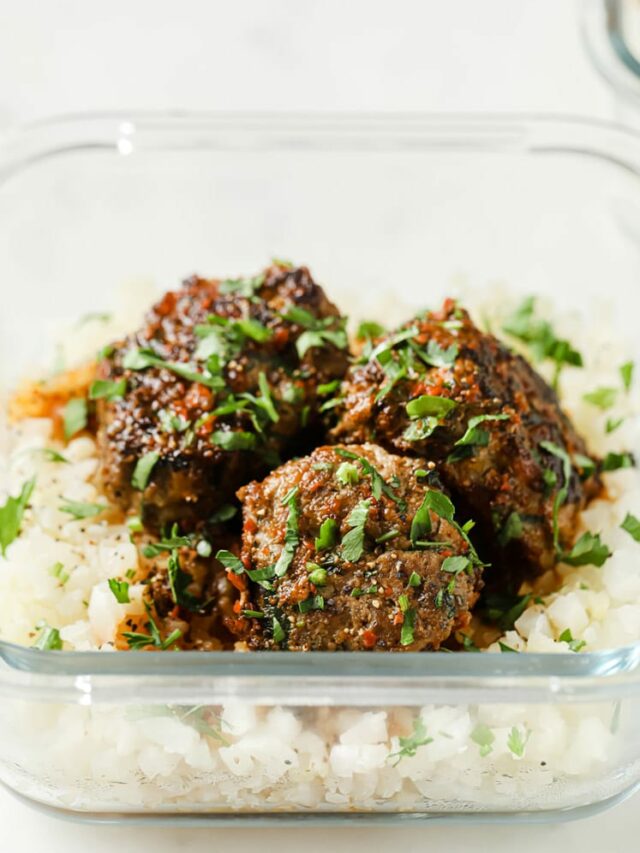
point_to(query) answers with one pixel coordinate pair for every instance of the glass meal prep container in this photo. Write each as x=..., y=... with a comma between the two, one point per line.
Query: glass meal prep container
x=410, y=206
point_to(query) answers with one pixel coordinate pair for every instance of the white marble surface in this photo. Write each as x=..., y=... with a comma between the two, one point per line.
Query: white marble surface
x=497, y=55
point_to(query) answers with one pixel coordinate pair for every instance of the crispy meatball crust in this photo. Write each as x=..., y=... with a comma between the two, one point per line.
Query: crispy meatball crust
x=507, y=482
x=275, y=336
x=394, y=595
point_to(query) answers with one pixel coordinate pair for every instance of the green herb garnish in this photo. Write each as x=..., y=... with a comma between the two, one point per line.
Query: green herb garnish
x=430, y=406
x=79, y=509
x=11, y=514
x=74, y=417
x=603, y=398
x=143, y=469
x=234, y=440
x=347, y=474
x=292, y=534
x=484, y=737
x=410, y=745
x=230, y=561
x=378, y=485
x=107, y=389
x=632, y=525
x=516, y=742
x=328, y=535
x=626, y=374
x=120, y=590
x=588, y=551
x=353, y=541
x=614, y=461
x=48, y=639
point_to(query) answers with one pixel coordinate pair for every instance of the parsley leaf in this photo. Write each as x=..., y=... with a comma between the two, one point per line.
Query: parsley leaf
x=511, y=529
x=107, y=389
x=614, y=461
x=632, y=525
x=353, y=541
x=143, y=469
x=48, y=639
x=476, y=436
x=74, y=416
x=410, y=745
x=11, y=513
x=516, y=742
x=368, y=330
x=347, y=474
x=626, y=374
x=141, y=359
x=421, y=523
x=291, y=536
x=328, y=535
x=437, y=356
x=179, y=581
x=234, y=440
x=230, y=561
x=120, y=590
x=378, y=484
x=408, y=626
x=455, y=565
x=79, y=509
x=429, y=406
x=246, y=287
x=484, y=737
x=574, y=645
x=603, y=398
x=588, y=551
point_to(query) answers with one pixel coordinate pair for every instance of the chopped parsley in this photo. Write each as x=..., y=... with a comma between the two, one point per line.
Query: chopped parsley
x=613, y=461
x=316, y=602
x=378, y=484
x=626, y=374
x=279, y=634
x=57, y=570
x=143, y=469
x=484, y=737
x=455, y=565
x=563, y=492
x=588, y=551
x=317, y=575
x=437, y=356
x=475, y=436
x=292, y=534
x=387, y=537
x=353, y=541
x=603, y=398
x=408, y=621
x=511, y=529
x=74, y=417
x=410, y=745
x=48, y=639
x=504, y=609
x=430, y=406
x=234, y=440
x=107, y=389
x=517, y=742
x=138, y=640
x=79, y=509
x=318, y=331
x=230, y=561
x=585, y=464
x=11, y=514
x=505, y=648
x=358, y=592
x=224, y=513
x=172, y=423
x=179, y=581
x=246, y=287
x=141, y=359
x=632, y=525
x=347, y=474
x=612, y=424
x=328, y=535
x=574, y=645
x=253, y=614
x=120, y=590
x=541, y=339
x=167, y=543
x=414, y=579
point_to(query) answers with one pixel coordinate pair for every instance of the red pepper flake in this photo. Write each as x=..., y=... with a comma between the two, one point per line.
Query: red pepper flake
x=251, y=525
x=238, y=581
x=369, y=638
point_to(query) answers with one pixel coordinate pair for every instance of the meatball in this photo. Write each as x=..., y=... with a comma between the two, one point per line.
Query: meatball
x=188, y=587
x=221, y=381
x=353, y=548
x=510, y=457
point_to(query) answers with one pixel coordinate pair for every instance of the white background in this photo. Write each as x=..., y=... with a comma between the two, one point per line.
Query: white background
x=300, y=55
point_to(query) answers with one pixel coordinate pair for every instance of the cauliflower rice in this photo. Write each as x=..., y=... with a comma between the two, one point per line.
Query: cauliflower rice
x=240, y=756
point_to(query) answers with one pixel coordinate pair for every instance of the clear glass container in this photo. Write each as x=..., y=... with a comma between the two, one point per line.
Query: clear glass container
x=412, y=205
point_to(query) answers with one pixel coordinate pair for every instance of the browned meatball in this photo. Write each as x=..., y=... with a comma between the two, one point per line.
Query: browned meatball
x=222, y=379
x=443, y=389
x=188, y=587
x=353, y=548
